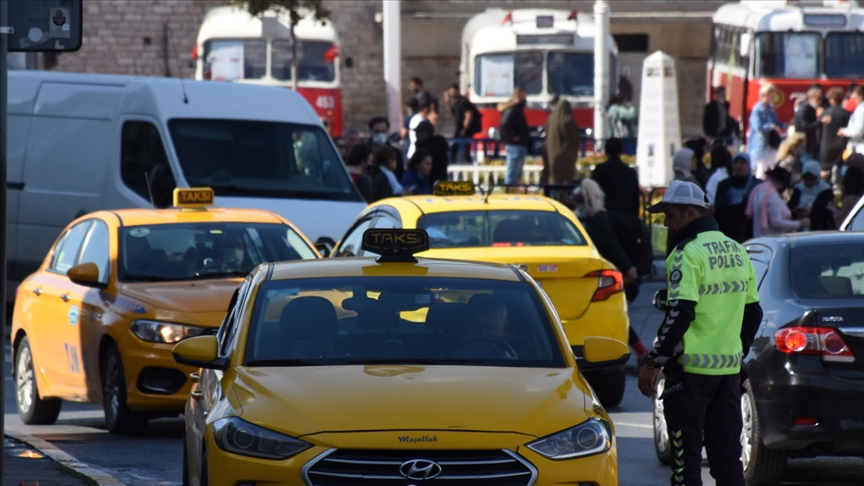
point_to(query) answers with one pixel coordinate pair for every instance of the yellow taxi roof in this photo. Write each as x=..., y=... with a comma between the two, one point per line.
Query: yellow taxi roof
x=369, y=267
x=135, y=217
x=439, y=204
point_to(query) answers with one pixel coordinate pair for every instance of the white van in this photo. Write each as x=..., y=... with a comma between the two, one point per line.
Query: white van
x=83, y=142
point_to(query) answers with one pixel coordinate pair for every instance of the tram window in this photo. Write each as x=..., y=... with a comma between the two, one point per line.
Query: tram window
x=844, y=55
x=788, y=55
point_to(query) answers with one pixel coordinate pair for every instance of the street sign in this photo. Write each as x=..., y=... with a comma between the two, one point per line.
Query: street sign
x=44, y=25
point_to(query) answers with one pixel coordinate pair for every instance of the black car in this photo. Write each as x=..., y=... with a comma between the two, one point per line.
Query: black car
x=804, y=376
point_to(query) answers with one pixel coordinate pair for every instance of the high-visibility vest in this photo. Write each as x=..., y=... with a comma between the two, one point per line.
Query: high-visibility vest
x=716, y=273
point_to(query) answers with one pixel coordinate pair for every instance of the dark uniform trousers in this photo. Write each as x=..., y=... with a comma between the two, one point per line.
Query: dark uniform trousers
x=698, y=406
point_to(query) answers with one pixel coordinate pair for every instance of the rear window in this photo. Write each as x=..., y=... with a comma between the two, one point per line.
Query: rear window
x=827, y=272
x=466, y=229
x=377, y=320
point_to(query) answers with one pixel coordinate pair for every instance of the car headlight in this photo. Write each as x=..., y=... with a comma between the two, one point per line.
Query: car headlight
x=164, y=332
x=236, y=435
x=591, y=437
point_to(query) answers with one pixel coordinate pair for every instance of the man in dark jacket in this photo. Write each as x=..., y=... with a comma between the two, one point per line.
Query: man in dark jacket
x=808, y=121
x=467, y=118
x=619, y=181
x=515, y=134
x=716, y=122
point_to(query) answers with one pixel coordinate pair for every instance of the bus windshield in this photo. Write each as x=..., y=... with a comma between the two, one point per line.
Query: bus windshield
x=259, y=158
x=571, y=73
x=793, y=55
x=233, y=59
x=844, y=55
x=497, y=74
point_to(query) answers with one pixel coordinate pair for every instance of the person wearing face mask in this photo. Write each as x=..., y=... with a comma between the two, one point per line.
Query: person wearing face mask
x=813, y=197
x=379, y=136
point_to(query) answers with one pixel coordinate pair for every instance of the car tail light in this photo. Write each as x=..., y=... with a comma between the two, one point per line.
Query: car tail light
x=609, y=282
x=823, y=341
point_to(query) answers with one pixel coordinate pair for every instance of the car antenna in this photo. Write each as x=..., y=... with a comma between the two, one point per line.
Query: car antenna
x=174, y=46
x=488, y=191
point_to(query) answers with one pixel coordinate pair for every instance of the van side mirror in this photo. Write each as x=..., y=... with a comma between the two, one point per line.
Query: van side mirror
x=659, y=300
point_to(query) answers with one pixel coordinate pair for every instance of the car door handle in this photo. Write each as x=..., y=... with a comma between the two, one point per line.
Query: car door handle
x=197, y=394
x=37, y=291
x=65, y=297
x=194, y=377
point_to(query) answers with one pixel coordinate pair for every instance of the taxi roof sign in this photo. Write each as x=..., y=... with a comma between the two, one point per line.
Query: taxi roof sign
x=454, y=188
x=395, y=245
x=193, y=197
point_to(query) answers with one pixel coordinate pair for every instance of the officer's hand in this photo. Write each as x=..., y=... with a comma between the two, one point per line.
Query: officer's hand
x=632, y=273
x=648, y=380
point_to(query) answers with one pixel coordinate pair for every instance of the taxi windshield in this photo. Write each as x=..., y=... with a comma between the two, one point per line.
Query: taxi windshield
x=400, y=320
x=464, y=229
x=261, y=159
x=204, y=250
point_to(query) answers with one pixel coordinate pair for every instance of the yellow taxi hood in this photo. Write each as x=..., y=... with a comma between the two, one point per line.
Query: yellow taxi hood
x=183, y=296
x=309, y=400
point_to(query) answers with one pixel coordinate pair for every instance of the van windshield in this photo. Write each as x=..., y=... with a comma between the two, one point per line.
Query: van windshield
x=259, y=158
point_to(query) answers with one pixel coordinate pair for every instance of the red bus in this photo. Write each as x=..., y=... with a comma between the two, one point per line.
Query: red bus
x=790, y=44
x=544, y=51
x=235, y=46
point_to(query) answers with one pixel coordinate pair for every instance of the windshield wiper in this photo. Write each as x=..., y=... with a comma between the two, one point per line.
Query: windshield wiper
x=207, y=275
x=281, y=362
x=149, y=278
x=376, y=361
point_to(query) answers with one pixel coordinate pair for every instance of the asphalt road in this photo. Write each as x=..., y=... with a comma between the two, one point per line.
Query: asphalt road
x=154, y=457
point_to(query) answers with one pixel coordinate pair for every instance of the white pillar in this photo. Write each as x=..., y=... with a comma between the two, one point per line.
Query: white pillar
x=601, y=70
x=392, y=24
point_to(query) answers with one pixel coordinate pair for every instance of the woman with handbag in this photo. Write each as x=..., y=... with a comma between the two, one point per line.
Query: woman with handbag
x=765, y=131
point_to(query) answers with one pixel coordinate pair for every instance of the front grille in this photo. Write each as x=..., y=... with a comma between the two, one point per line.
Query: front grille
x=402, y=468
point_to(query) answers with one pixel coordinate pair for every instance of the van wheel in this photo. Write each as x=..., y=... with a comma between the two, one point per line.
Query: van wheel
x=32, y=409
x=762, y=466
x=118, y=418
x=662, y=446
x=609, y=387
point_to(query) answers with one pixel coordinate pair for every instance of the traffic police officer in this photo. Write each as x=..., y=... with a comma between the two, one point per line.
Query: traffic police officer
x=712, y=315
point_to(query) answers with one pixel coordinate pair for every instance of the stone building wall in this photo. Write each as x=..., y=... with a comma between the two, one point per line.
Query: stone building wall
x=155, y=37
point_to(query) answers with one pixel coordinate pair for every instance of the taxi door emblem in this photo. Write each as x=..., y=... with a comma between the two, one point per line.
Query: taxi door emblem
x=420, y=469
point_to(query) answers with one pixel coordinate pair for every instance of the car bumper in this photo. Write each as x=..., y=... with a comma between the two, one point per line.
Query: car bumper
x=801, y=389
x=155, y=382
x=231, y=469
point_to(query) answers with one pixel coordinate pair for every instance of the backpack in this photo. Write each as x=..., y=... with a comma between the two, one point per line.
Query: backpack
x=635, y=238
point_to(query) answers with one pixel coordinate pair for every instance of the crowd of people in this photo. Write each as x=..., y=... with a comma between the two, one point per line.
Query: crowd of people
x=788, y=177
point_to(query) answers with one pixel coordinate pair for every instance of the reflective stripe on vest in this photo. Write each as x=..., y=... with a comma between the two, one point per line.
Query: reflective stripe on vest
x=724, y=287
x=711, y=361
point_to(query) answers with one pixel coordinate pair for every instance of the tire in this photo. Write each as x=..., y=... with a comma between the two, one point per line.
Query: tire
x=118, y=418
x=762, y=466
x=662, y=446
x=609, y=386
x=185, y=480
x=32, y=409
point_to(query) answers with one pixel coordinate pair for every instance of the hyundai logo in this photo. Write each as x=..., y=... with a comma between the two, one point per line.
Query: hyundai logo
x=420, y=469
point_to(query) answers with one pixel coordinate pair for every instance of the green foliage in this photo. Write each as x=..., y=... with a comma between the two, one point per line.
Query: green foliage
x=296, y=9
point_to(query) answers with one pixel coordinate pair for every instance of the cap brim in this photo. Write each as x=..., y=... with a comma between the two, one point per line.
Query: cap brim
x=660, y=207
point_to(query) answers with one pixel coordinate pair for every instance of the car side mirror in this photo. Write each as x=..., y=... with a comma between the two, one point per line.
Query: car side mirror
x=86, y=274
x=199, y=351
x=325, y=246
x=659, y=300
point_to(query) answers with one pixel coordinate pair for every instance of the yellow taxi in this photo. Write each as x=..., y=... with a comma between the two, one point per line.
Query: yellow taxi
x=394, y=370
x=535, y=233
x=97, y=321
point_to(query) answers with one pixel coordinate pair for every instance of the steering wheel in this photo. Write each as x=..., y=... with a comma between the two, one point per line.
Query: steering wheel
x=464, y=343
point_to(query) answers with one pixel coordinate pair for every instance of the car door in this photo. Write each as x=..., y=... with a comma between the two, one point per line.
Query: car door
x=90, y=300
x=55, y=316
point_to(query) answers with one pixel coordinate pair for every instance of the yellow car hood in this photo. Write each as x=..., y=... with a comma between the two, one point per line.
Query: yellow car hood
x=184, y=296
x=308, y=400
